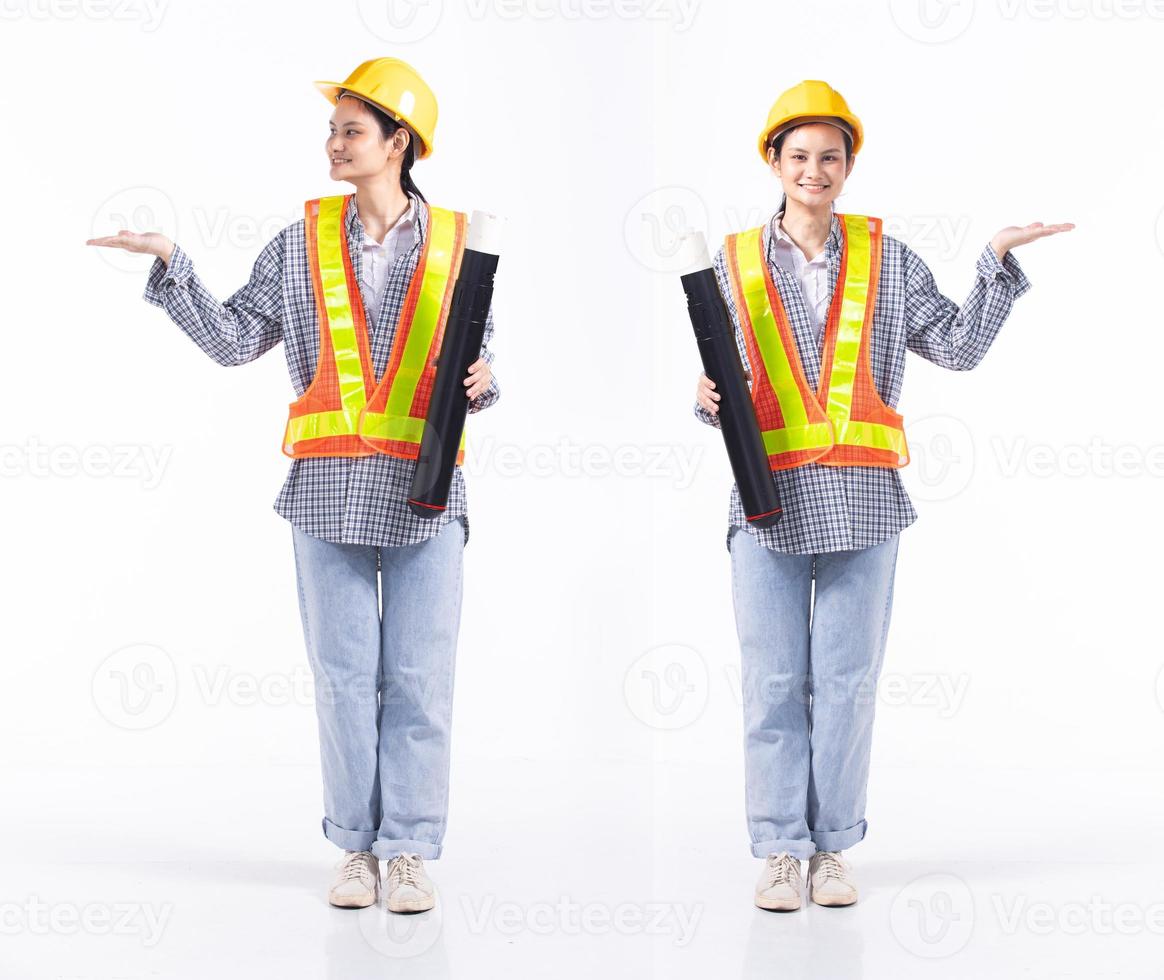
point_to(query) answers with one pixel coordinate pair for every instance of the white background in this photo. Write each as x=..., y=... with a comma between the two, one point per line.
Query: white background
x=597, y=801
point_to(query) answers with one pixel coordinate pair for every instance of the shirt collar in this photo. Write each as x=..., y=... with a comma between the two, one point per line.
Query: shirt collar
x=416, y=214
x=777, y=233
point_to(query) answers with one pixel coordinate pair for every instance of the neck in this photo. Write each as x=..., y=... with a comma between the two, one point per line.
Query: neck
x=380, y=205
x=808, y=227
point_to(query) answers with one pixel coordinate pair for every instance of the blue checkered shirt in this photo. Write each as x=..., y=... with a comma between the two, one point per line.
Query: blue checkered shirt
x=841, y=508
x=354, y=500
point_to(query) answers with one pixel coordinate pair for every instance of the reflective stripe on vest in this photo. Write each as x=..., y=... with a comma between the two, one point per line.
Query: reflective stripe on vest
x=343, y=412
x=844, y=423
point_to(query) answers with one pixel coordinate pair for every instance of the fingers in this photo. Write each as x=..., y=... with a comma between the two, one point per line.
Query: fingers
x=479, y=378
x=706, y=395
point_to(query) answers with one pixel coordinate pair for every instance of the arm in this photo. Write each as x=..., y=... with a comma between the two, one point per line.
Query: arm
x=491, y=393
x=247, y=325
x=956, y=338
x=721, y=276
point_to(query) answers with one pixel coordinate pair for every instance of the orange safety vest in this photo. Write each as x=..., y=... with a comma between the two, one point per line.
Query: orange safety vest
x=845, y=422
x=344, y=411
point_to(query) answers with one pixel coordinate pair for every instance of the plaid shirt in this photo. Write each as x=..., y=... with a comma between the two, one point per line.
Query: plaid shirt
x=841, y=508
x=354, y=500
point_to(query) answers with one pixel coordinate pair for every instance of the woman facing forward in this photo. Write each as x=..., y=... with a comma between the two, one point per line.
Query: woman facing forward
x=825, y=306
x=353, y=290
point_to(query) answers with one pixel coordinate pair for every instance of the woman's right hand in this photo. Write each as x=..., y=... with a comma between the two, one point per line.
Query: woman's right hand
x=706, y=394
x=149, y=243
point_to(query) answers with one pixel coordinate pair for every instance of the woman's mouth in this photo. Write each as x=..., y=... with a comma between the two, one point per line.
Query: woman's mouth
x=814, y=188
x=335, y=162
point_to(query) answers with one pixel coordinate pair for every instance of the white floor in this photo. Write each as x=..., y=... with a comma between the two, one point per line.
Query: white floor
x=583, y=870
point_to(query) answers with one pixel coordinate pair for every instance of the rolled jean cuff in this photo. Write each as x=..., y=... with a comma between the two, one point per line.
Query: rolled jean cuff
x=386, y=849
x=352, y=840
x=801, y=849
x=838, y=840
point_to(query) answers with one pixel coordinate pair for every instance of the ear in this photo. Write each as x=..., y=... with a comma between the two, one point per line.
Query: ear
x=773, y=160
x=400, y=140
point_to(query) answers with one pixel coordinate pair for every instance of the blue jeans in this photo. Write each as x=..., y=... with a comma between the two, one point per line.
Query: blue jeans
x=809, y=688
x=383, y=685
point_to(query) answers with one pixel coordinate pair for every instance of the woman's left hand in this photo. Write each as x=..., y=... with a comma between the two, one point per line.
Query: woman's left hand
x=480, y=374
x=1008, y=238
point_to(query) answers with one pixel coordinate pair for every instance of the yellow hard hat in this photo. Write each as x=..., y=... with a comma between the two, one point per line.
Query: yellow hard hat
x=810, y=101
x=397, y=88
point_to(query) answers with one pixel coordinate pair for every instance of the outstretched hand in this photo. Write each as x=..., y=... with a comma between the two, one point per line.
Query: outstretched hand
x=149, y=243
x=1013, y=236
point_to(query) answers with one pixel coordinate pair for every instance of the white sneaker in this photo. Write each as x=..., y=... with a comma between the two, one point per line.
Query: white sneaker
x=830, y=879
x=409, y=888
x=780, y=887
x=357, y=882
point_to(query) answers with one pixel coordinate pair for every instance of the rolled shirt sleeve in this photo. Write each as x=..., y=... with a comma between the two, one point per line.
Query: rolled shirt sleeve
x=236, y=331
x=956, y=337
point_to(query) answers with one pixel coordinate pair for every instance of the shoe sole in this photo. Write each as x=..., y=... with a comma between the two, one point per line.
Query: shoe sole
x=352, y=902
x=412, y=905
x=776, y=905
x=831, y=902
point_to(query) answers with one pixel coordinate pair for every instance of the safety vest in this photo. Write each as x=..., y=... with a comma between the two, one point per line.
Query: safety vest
x=845, y=422
x=345, y=411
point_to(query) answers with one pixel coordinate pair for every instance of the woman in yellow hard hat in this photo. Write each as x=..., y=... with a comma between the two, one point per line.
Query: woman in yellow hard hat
x=383, y=672
x=825, y=306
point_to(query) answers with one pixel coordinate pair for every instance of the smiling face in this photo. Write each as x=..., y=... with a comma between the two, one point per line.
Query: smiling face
x=812, y=166
x=355, y=147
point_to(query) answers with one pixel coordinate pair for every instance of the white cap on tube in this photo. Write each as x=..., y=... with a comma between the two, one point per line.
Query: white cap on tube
x=485, y=233
x=691, y=253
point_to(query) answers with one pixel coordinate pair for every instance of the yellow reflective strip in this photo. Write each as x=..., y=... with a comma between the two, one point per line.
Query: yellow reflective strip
x=332, y=240
x=852, y=318
x=871, y=434
x=815, y=436
x=442, y=228
x=749, y=260
x=320, y=425
x=403, y=428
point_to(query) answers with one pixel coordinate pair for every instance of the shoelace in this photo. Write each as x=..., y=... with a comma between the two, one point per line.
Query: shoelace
x=355, y=865
x=782, y=868
x=404, y=869
x=830, y=865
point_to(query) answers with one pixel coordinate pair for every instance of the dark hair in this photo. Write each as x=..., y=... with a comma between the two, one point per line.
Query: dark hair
x=388, y=127
x=777, y=143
